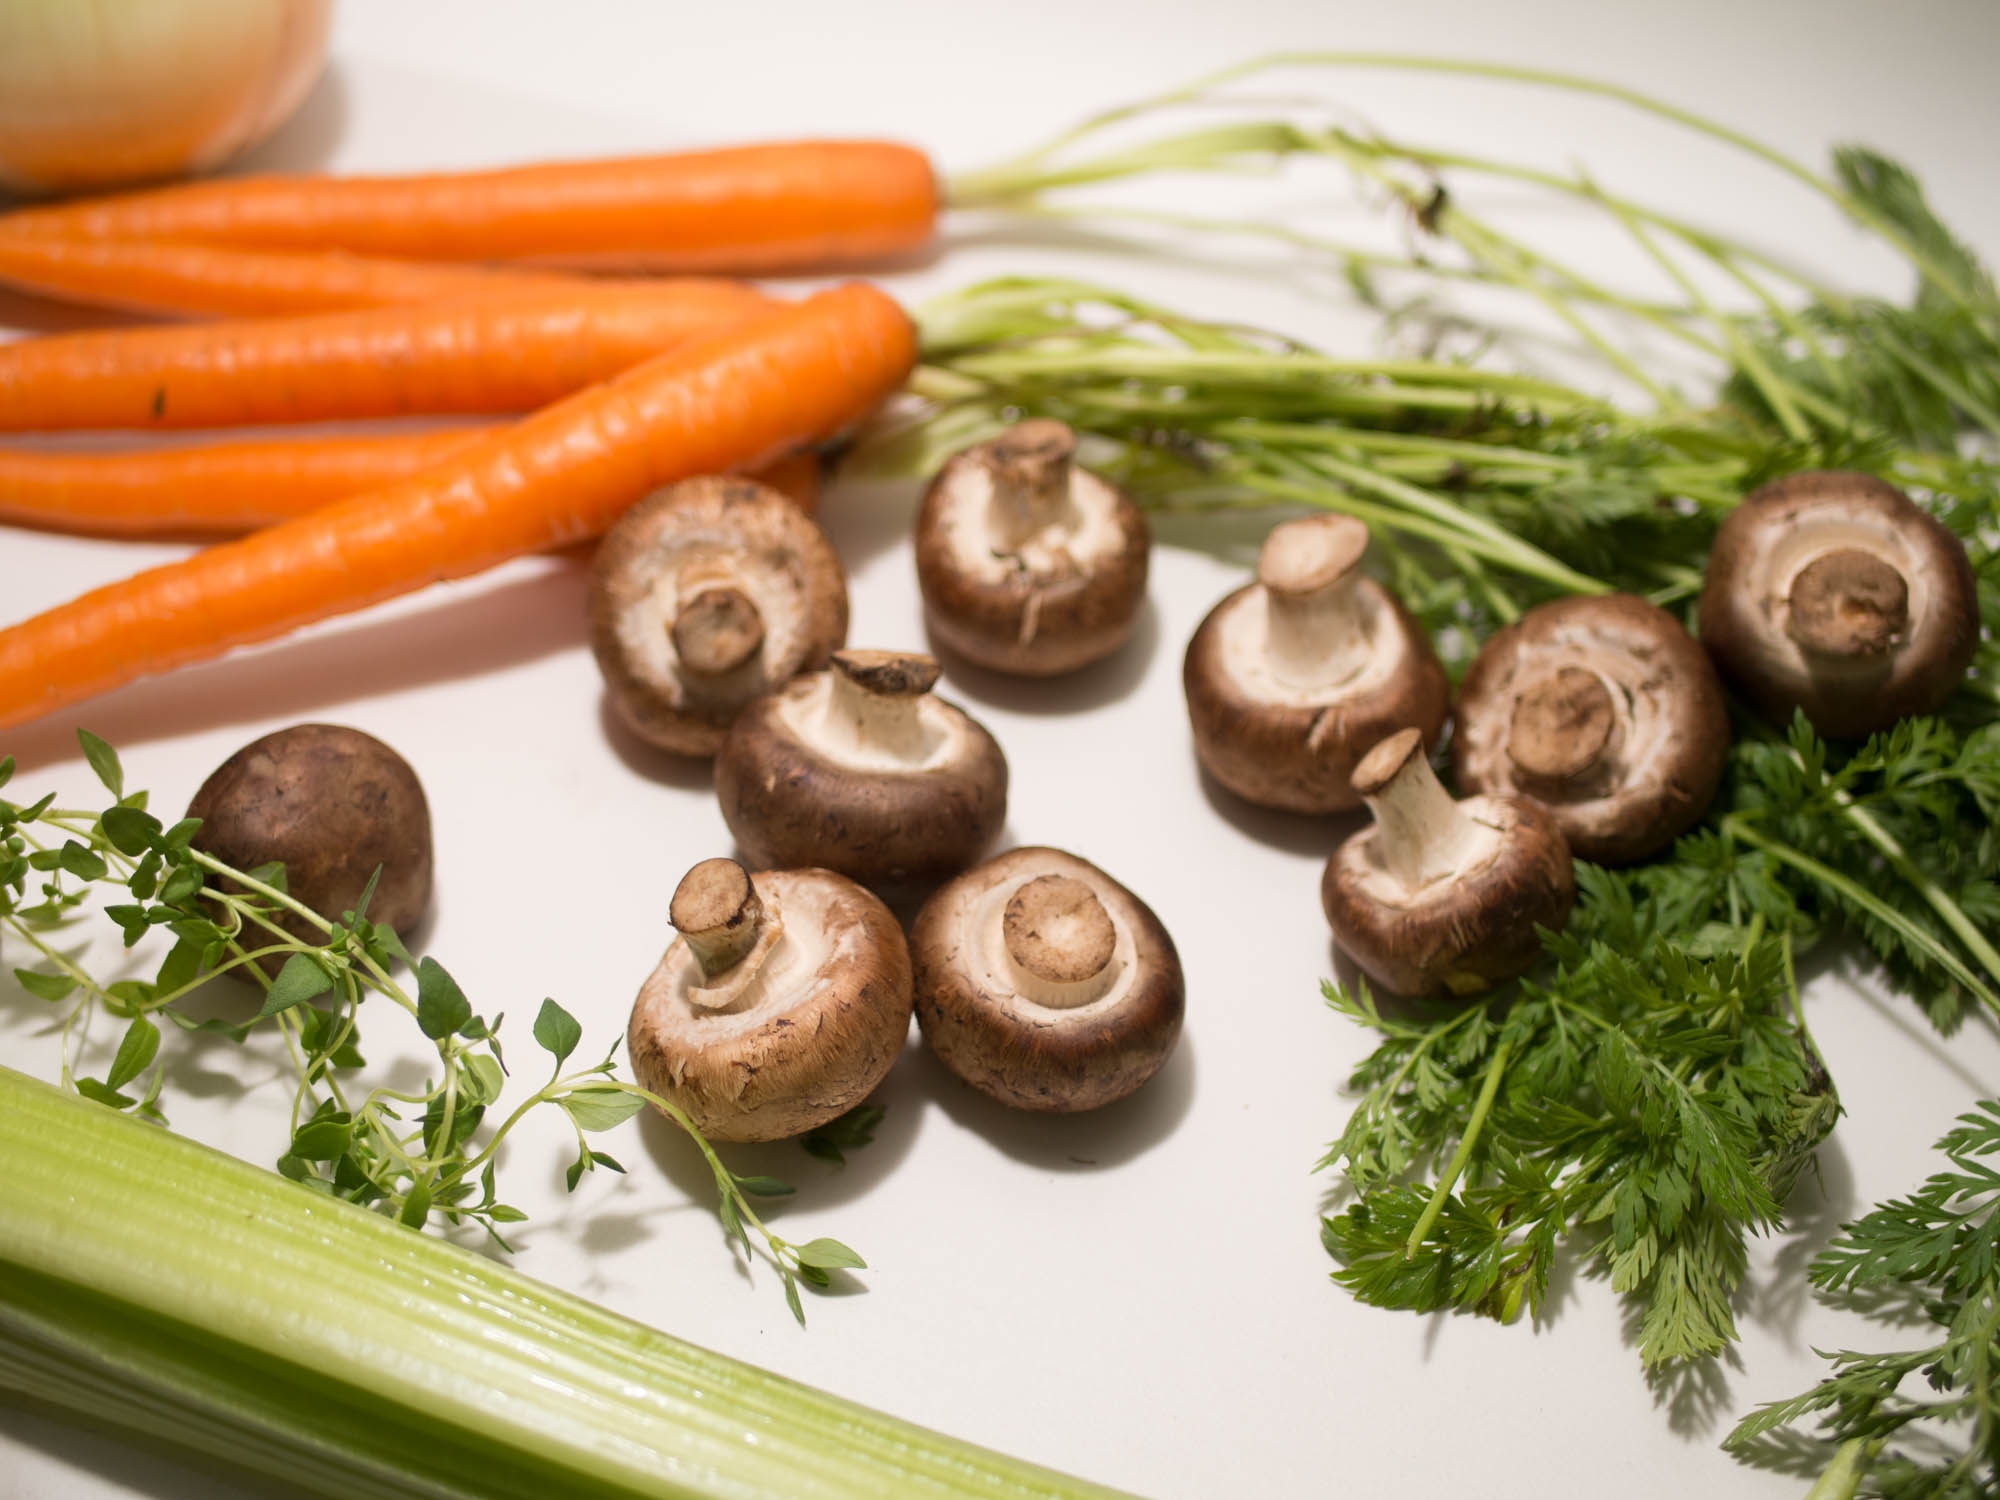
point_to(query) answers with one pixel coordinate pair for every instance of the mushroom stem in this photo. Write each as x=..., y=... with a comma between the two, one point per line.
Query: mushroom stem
x=1314, y=634
x=717, y=626
x=1029, y=467
x=1848, y=603
x=715, y=908
x=1562, y=726
x=1423, y=836
x=1060, y=942
x=874, y=707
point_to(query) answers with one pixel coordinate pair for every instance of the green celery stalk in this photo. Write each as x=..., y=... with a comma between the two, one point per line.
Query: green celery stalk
x=166, y=1289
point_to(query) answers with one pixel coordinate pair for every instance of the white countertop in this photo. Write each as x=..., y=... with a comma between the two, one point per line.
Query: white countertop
x=1138, y=1296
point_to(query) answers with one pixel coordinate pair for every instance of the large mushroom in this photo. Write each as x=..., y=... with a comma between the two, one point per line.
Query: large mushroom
x=1028, y=563
x=1291, y=679
x=1605, y=711
x=707, y=594
x=1045, y=983
x=779, y=1006
x=1443, y=897
x=339, y=809
x=863, y=770
x=1832, y=592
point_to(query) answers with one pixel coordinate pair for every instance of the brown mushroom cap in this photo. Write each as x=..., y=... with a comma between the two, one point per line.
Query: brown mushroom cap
x=707, y=594
x=863, y=770
x=1606, y=712
x=1027, y=563
x=792, y=1031
x=1835, y=593
x=333, y=805
x=1443, y=897
x=1043, y=982
x=1290, y=680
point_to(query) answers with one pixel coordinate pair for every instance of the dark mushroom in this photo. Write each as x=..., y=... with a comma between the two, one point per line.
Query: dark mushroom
x=863, y=770
x=778, y=1008
x=705, y=595
x=1443, y=897
x=1605, y=711
x=334, y=806
x=1045, y=983
x=1291, y=679
x=1028, y=563
x=1834, y=593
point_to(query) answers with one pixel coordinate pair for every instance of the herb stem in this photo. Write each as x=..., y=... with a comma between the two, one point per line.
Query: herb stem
x=1735, y=826
x=1489, y=1087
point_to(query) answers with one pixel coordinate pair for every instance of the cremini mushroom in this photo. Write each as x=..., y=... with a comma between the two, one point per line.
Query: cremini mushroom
x=1290, y=679
x=1443, y=897
x=1043, y=982
x=705, y=595
x=863, y=770
x=1027, y=562
x=1604, y=710
x=339, y=809
x=780, y=1005
x=1834, y=593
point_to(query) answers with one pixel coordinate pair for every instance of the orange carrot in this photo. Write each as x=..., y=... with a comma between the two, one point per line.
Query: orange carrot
x=483, y=354
x=788, y=206
x=733, y=398
x=226, y=489
x=153, y=277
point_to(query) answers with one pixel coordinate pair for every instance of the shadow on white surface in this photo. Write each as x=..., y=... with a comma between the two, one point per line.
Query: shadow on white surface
x=506, y=625
x=1313, y=834
x=1111, y=680
x=1099, y=1139
x=688, y=773
x=312, y=137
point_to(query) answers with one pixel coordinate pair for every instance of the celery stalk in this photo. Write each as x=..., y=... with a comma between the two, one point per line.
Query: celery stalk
x=153, y=1284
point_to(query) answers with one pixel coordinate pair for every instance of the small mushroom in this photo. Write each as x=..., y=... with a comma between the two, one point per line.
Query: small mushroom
x=779, y=1006
x=1442, y=896
x=337, y=808
x=1834, y=593
x=1029, y=564
x=707, y=594
x=1606, y=712
x=1290, y=679
x=861, y=769
x=1043, y=982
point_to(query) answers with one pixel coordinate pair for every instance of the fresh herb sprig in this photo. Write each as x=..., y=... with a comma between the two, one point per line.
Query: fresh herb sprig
x=1651, y=1105
x=424, y=1156
x=1920, y=1423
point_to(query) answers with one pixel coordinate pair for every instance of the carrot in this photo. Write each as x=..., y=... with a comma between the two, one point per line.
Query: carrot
x=153, y=277
x=480, y=355
x=733, y=398
x=788, y=206
x=226, y=489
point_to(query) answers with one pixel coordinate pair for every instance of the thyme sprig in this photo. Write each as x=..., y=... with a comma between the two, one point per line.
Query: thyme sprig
x=426, y=1156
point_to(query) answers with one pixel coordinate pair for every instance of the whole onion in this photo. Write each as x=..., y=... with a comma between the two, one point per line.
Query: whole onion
x=102, y=93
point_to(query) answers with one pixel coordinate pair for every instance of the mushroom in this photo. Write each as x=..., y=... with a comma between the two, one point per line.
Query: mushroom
x=1029, y=564
x=1290, y=679
x=780, y=1005
x=1442, y=896
x=861, y=769
x=705, y=595
x=1834, y=593
x=338, y=808
x=1043, y=982
x=1606, y=712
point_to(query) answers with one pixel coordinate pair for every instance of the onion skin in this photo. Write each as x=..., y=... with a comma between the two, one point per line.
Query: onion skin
x=103, y=93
